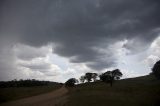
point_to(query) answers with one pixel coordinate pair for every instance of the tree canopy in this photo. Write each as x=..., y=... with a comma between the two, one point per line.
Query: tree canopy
x=156, y=69
x=71, y=82
x=89, y=77
x=110, y=76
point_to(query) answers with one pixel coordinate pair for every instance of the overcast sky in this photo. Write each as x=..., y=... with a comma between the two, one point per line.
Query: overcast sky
x=59, y=39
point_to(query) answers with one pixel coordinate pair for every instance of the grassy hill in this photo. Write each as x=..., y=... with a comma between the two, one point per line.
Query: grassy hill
x=140, y=91
x=14, y=93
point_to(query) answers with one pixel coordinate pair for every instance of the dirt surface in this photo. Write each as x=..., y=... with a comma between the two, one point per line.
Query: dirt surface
x=55, y=98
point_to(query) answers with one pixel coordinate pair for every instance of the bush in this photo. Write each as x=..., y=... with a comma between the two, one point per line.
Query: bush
x=71, y=82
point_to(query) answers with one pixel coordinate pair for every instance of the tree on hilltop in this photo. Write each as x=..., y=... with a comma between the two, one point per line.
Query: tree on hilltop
x=89, y=77
x=156, y=69
x=110, y=76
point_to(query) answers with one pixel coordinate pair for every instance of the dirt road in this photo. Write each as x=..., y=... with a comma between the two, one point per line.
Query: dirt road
x=55, y=98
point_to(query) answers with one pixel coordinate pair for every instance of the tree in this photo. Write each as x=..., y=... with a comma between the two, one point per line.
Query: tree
x=107, y=77
x=90, y=76
x=156, y=69
x=71, y=82
x=94, y=76
x=116, y=74
x=82, y=79
x=110, y=76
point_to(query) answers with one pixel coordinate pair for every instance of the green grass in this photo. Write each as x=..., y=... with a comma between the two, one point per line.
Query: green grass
x=142, y=91
x=14, y=93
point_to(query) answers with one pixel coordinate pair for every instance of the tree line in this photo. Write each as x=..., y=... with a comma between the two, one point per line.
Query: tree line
x=107, y=77
x=25, y=83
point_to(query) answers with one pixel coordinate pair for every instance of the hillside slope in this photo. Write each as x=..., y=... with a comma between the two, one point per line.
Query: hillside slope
x=140, y=91
x=15, y=93
x=54, y=98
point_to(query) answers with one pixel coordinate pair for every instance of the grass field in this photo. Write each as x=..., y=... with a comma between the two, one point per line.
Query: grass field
x=142, y=91
x=13, y=93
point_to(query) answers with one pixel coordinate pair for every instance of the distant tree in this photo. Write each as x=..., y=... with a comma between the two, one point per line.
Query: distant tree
x=71, y=82
x=94, y=76
x=82, y=79
x=107, y=77
x=116, y=74
x=156, y=69
x=90, y=76
x=110, y=76
x=26, y=83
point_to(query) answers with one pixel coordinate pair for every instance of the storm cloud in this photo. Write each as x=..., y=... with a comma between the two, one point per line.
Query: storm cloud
x=84, y=31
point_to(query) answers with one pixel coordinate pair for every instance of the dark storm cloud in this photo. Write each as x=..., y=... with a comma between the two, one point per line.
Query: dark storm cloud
x=77, y=26
x=25, y=52
x=38, y=66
